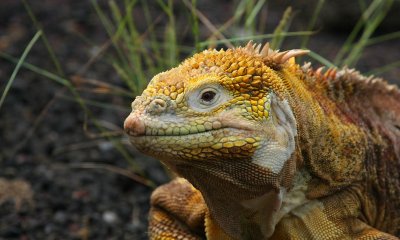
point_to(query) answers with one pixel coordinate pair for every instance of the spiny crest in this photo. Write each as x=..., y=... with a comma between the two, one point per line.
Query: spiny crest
x=272, y=58
x=319, y=74
x=370, y=82
x=347, y=78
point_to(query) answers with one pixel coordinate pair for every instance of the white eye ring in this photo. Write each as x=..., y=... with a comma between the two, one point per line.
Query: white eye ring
x=206, y=98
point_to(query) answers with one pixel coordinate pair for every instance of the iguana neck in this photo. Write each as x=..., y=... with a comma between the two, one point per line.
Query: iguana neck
x=329, y=142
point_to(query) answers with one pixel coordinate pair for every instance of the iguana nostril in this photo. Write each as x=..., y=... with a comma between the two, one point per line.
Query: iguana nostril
x=156, y=106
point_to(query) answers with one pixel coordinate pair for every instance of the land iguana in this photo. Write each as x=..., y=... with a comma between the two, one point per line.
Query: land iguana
x=267, y=149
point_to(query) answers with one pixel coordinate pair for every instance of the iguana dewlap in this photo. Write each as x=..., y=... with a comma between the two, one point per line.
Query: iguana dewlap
x=267, y=149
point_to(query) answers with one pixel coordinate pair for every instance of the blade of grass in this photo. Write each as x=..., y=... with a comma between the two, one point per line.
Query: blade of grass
x=383, y=38
x=370, y=27
x=240, y=9
x=103, y=18
x=170, y=46
x=249, y=6
x=321, y=59
x=257, y=37
x=263, y=19
x=44, y=38
x=114, y=169
x=208, y=24
x=282, y=27
x=363, y=5
x=99, y=52
x=352, y=36
x=224, y=27
x=100, y=86
x=239, y=13
x=170, y=36
x=18, y=66
x=250, y=20
x=195, y=26
x=35, y=69
x=153, y=42
x=99, y=104
x=312, y=22
x=383, y=69
x=234, y=20
x=136, y=48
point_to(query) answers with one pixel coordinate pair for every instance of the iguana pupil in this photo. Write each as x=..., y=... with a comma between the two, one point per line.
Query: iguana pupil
x=208, y=96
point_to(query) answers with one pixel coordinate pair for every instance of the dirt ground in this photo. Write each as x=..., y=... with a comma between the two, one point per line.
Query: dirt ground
x=67, y=182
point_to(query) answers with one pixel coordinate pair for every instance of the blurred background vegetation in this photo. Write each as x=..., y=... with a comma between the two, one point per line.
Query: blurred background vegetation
x=69, y=70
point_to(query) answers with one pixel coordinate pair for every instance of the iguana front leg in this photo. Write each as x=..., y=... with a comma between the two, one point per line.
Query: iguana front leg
x=178, y=211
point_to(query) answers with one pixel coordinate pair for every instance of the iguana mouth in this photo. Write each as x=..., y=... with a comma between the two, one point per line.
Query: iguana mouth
x=222, y=135
x=175, y=131
x=138, y=126
x=154, y=132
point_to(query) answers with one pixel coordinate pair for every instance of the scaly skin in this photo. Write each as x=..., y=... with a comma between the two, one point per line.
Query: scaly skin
x=270, y=150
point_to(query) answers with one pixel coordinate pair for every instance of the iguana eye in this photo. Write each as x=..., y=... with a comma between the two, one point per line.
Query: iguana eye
x=208, y=97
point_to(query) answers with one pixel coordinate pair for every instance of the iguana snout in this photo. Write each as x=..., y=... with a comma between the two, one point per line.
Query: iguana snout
x=134, y=124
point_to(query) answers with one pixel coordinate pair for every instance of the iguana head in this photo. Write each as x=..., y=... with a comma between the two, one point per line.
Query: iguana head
x=221, y=120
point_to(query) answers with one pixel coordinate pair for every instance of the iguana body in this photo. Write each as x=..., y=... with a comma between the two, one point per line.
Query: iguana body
x=270, y=150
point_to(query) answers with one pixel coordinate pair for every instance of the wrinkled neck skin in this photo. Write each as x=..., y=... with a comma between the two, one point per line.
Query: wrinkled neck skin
x=246, y=197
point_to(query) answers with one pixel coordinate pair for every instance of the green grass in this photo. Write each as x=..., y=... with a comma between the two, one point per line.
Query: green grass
x=136, y=55
x=368, y=22
x=18, y=66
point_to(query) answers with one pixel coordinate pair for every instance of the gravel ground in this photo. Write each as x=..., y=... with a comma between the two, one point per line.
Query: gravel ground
x=65, y=175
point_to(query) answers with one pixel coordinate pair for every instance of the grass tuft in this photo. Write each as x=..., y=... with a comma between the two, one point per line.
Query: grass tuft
x=369, y=21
